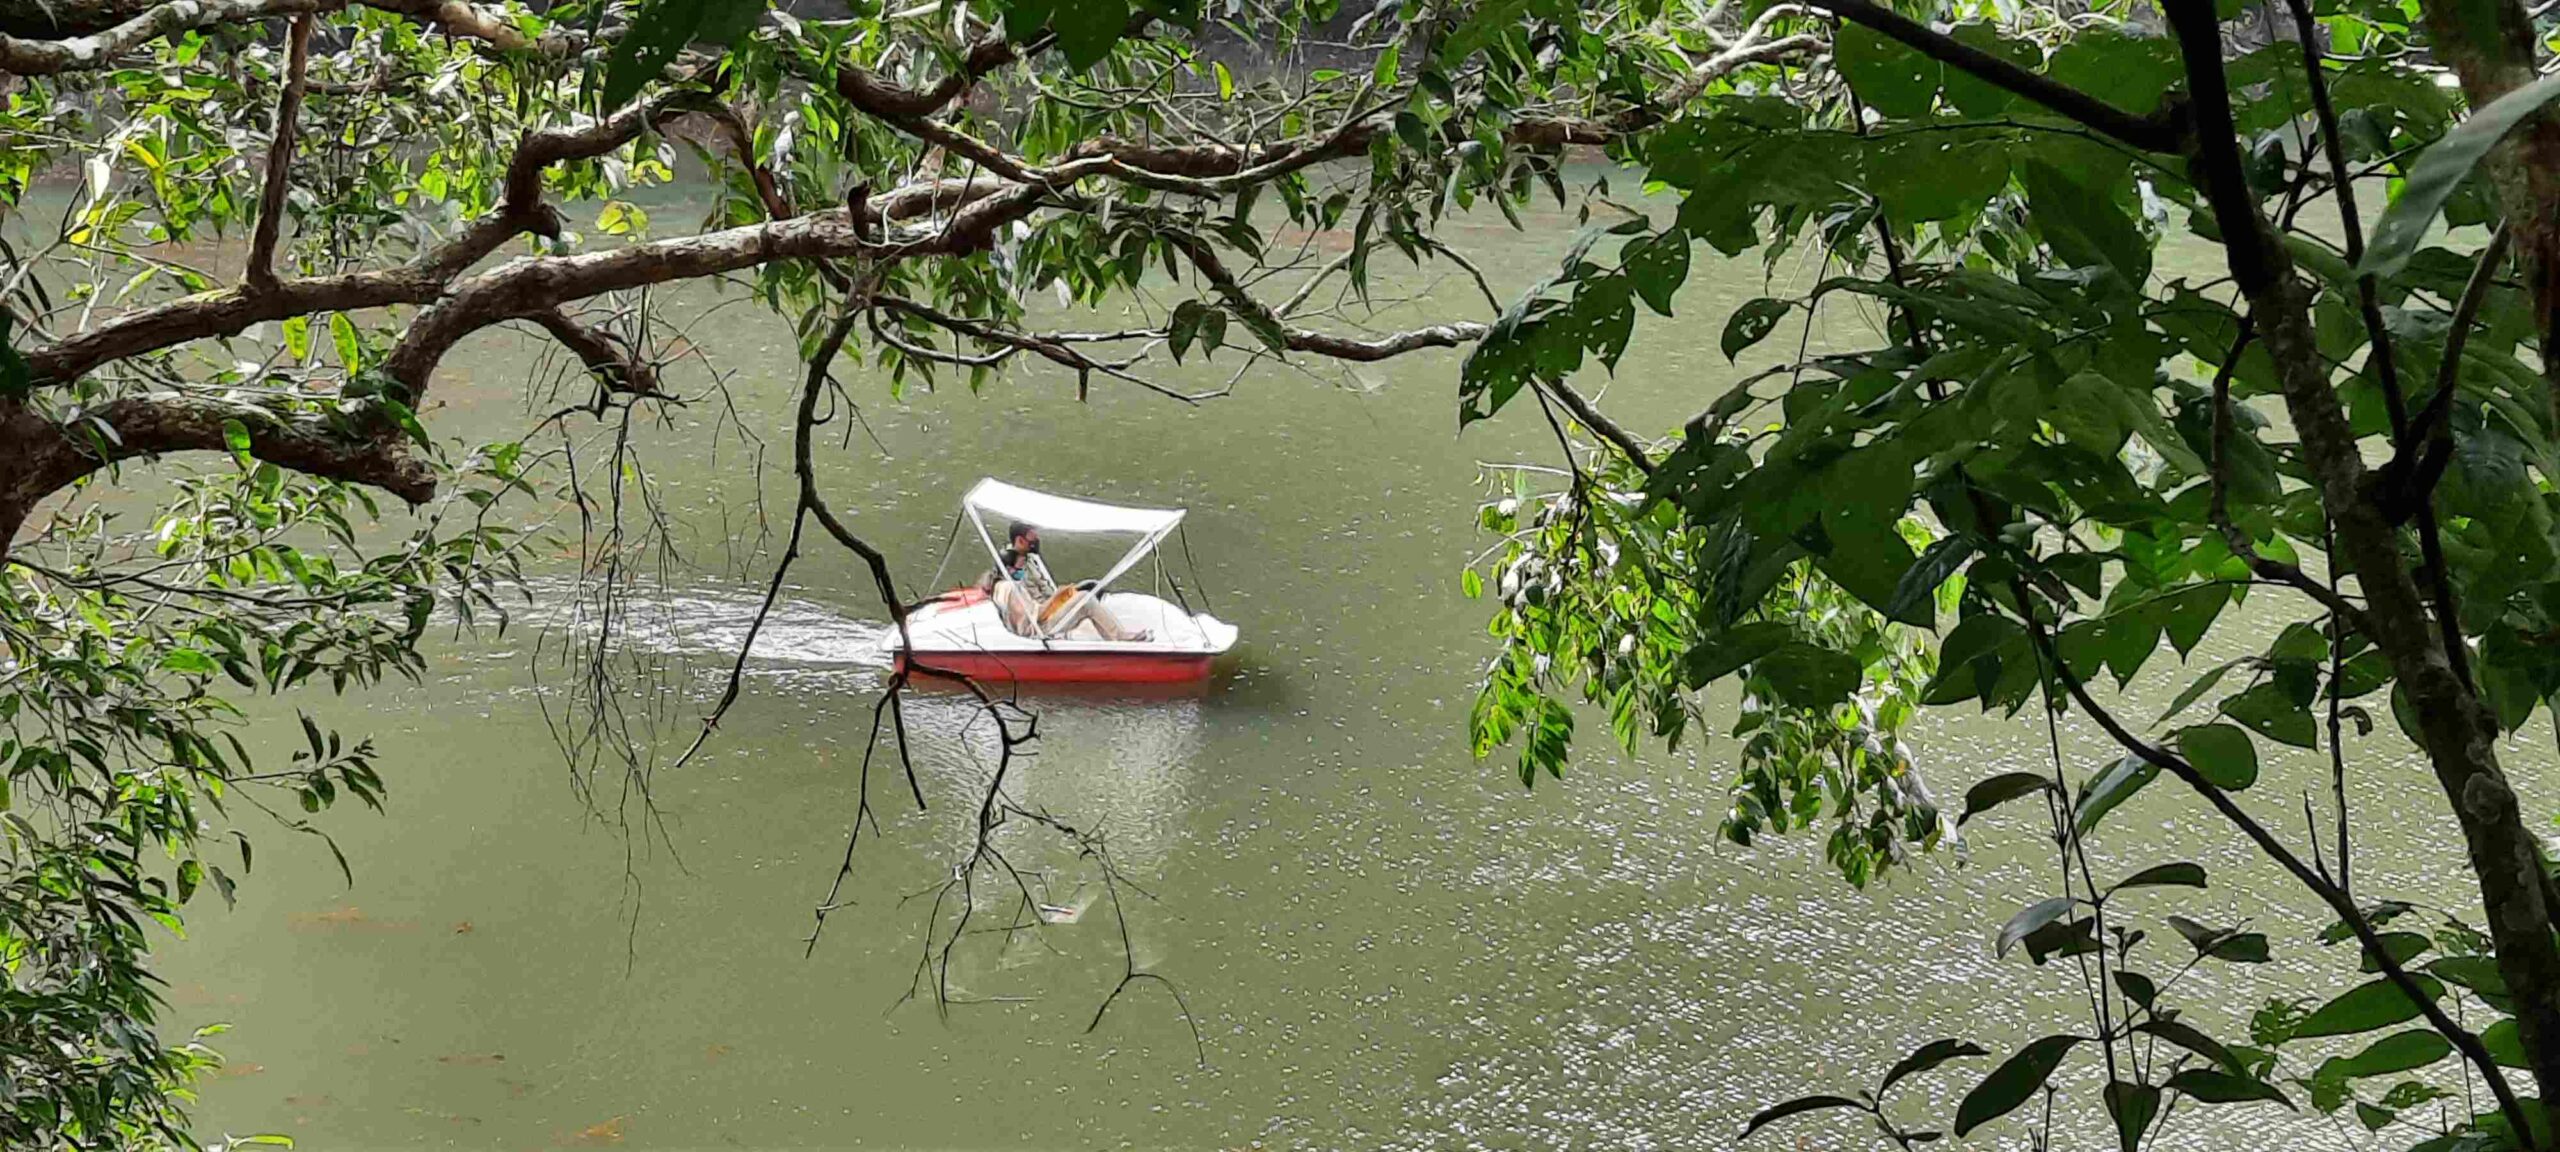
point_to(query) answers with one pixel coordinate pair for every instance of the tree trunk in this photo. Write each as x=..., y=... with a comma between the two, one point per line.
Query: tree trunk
x=2456, y=730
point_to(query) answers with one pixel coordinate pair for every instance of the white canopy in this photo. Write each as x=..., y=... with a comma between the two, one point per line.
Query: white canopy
x=1064, y=514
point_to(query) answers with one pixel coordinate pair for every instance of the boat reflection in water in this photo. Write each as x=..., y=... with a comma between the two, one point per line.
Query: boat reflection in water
x=1116, y=763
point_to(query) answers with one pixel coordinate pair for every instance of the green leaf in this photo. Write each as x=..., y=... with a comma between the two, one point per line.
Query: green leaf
x=2399, y=1052
x=1185, y=326
x=2222, y=754
x=1797, y=1107
x=2084, y=226
x=1929, y=1056
x=2189, y=612
x=2030, y=918
x=2207, y=1086
x=2179, y=875
x=2505, y=1044
x=1893, y=79
x=1088, y=28
x=235, y=435
x=2270, y=711
x=2365, y=1008
x=1750, y=324
x=2477, y=973
x=1999, y=790
x=2133, y=1105
x=1980, y=97
x=2110, y=788
x=2186, y=1036
x=2012, y=1082
x=1927, y=176
x=342, y=333
x=1914, y=595
x=2129, y=71
x=1724, y=653
x=2401, y=947
x=661, y=29
x=406, y=419
x=2440, y=169
x=297, y=337
x=188, y=661
x=621, y=218
x=2229, y=944
x=1809, y=676
x=1658, y=265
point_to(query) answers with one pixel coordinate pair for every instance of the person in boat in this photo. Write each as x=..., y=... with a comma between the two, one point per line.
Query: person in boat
x=1028, y=601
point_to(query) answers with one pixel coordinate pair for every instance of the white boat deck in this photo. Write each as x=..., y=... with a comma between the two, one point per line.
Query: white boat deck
x=976, y=626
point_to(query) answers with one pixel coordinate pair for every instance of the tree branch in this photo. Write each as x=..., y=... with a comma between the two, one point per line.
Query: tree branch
x=2159, y=132
x=613, y=365
x=2453, y=725
x=103, y=46
x=2473, y=1050
x=1205, y=258
x=52, y=456
x=2386, y=369
x=2406, y=482
x=262, y=245
x=1600, y=424
x=520, y=288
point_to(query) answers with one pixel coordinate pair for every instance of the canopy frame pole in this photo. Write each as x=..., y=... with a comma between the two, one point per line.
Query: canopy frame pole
x=1086, y=597
x=945, y=565
x=995, y=555
x=1194, y=566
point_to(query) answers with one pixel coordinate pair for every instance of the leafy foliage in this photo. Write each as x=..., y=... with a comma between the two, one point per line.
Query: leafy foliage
x=2059, y=467
x=126, y=788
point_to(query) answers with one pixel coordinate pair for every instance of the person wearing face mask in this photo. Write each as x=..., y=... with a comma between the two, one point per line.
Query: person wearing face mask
x=1027, y=598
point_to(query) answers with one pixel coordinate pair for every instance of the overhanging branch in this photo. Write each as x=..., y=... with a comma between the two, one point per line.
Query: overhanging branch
x=2156, y=133
x=105, y=43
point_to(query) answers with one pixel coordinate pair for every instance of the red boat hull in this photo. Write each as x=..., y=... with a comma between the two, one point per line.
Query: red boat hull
x=1069, y=667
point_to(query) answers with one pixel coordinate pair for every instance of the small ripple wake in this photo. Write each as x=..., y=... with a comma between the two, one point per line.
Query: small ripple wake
x=708, y=621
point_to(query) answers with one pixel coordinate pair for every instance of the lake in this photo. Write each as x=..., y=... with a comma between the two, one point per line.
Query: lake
x=1382, y=942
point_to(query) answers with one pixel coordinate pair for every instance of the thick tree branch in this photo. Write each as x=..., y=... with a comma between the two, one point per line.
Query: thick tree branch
x=2456, y=729
x=50, y=457
x=101, y=47
x=425, y=280
x=890, y=100
x=262, y=245
x=521, y=288
x=613, y=365
x=421, y=281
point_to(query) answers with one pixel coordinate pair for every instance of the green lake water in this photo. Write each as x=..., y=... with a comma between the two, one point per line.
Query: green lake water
x=1385, y=944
